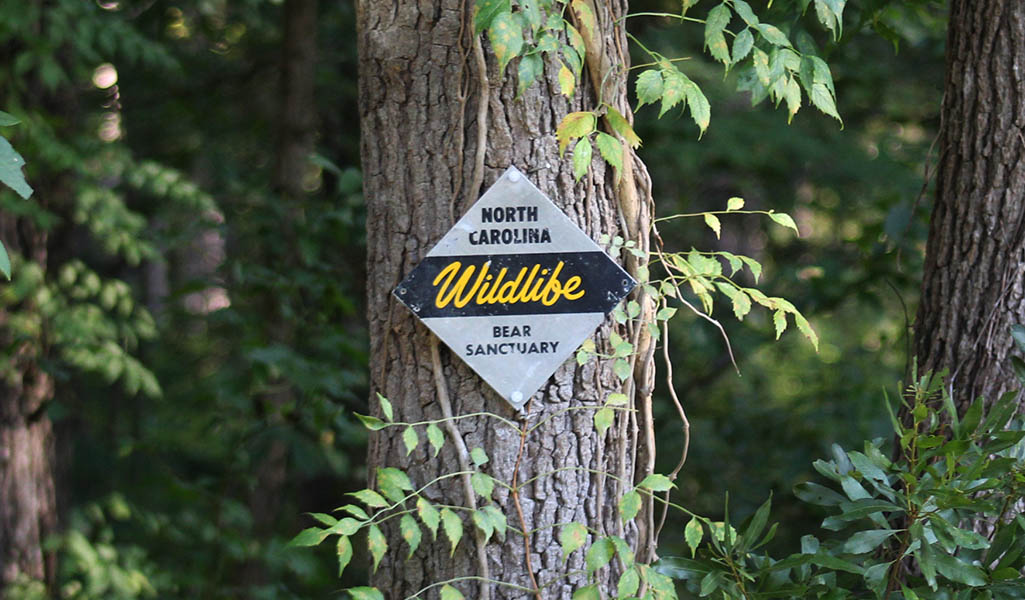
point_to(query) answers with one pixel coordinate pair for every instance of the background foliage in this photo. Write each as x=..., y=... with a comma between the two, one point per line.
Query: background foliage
x=169, y=272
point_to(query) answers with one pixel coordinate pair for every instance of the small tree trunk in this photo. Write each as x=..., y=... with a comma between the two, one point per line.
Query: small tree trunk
x=439, y=125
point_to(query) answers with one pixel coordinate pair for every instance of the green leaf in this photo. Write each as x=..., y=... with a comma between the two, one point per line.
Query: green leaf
x=309, y=537
x=757, y=523
x=617, y=399
x=5, y=262
x=486, y=11
x=813, y=493
x=773, y=35
x=377, y=545
x=629, y=505
x=567, y=81
x=506, y=37
x=649, y=87
x=484, y=524
x=779, y=319
x=386, y=408
x=656, y=483
x=674, y=89
x=435, y=437
x=453, y=527
x=603, y=420
x=629, y=583
x=324, y=519
x=742, y=45
x=497, y=518
x=483, y=484
x=666, y=313
x=479, y=456
x=355, y=511
x=741, y=304
x=410, y=439
x=805, y=328
x=589, y=592
x=958, y=570
x=572, y=538
x=365, y=593
x=823, y=100
x=610, y=148
x=622, y=127
x=784, y=220
x=867, y=541
x=392, y=483
x=713, y=223
x=585, y=16
x=743, y=10
x=410, y=532
x=429, y=516
x=792, y=94
x=1018, y=335
x=7, y=119
x=370, y=498
x=344, y=552
x=621, y=367
x=599, y=554
x=371, y=423
x=717, y=20
x=530, y=68
x=450, y=593
x=693, y=533
x=581, y=157
x=10, y=170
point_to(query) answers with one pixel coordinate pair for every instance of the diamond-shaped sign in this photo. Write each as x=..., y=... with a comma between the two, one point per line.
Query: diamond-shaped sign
x=514, y=287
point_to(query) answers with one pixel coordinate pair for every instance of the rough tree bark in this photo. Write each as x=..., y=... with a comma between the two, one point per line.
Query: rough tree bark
x=973, y=287
x=439, y=125
x=28, y=505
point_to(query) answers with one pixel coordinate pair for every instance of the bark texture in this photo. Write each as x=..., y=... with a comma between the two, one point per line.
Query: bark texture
x=973, y=287
x=427, y=156
x=28, y=505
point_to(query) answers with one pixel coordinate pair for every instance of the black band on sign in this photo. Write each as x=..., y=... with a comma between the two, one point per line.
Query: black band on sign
x=514, y=284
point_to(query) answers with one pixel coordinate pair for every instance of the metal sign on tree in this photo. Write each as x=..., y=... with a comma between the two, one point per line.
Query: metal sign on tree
x=514, y=287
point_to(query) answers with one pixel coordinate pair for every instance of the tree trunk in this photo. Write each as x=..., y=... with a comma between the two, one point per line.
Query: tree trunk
x=973, y=286
x=28, y=505
x=440, y=125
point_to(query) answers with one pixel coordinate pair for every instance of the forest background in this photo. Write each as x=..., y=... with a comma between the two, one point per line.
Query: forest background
x=200, y=304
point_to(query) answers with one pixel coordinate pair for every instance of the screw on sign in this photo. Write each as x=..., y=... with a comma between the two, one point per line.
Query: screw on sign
x=514, y=287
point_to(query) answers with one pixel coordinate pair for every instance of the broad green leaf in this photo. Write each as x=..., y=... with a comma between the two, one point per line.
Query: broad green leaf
x=804, y=327
x=346, y=526
x=549, y=43
x=410, y=533
x=506, y=37
x=958, y=570
x=656, y=483
x=371, y=423
x=779, y=319
x=453, y=527
x=649, y=87
x=693, y=533
x=603, y=420
x=629, y=505
x=610, y=149
x=10, y=170
x=573, y=126
x=377, y=545
x=386, y=408
x=450, y=593
x=410, y=439
x=760, y=60
x=365, y=593
x=867, y=541
x=674, y=90
x=567, y=81
x=429, y=516
x=356, y=511
x=664, y=314
x=576, y=42
x=7, y=119
x=392, y=483
x=483, y=484
x=435, y=437
x=823, y=100
x=344, y=552
x=757, y=523
x=484, y=524
x=756, y=271
x=717, y=20
x=589, y=592
x=370, y=498
x=599, y=554
x=311, y=536
x=773, y=35
x=486, y=11
x=622, y=127
x=813, y=493
x=742, y=45
x=743, y=10
x=621, y=367
x=617, y=399
x=497, y=518
x=629, y=583
x=792, y=94
x=572, y=538
x=5, y=262
x=582, y=157
x=530, y=68
x=741, y=305
x=716, y=43
x=633, y=310
x=785, y=220
x=713, y=222
x=479, y=456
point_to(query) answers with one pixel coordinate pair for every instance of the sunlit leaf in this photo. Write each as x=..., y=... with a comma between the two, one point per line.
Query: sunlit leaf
x=435, y=437
x=693, y=533
x=486, y=11
x=483, y=484
x=386, y=408
x=573, y=126
x=453, y=527
x=530, y=68
x=735, y=203
x=10, y=170
x=622, y=127
x=370, y=498
x=599, y=554
x=713, y=223
x=344, y=551
x=506, y=37
x=410, y=439
x=429, y=516
x=649, y=87
x=656, y=483
x=603, y=420
x=365, y=593
x=629, y=505
x=309, y=537
x=377, y=545
x=410, y=532
x=785, y=220
x=610, y=149
x=567, y=81
x=572, y=537
x=450, y=593
x=582, y=153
